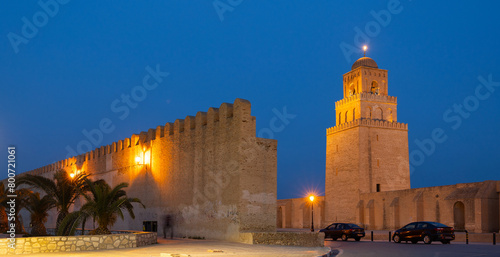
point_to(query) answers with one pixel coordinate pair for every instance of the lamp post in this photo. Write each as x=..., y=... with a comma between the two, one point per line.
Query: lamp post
x=312, y=212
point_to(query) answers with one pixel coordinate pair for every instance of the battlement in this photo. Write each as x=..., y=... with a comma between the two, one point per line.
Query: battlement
x=239, y=111
x=367, y=122
x=212, y=159
x=367, y=97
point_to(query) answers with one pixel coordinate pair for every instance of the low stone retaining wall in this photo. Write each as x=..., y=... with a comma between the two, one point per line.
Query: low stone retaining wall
x=52, y=244
x=145, y=238
x=306, y=239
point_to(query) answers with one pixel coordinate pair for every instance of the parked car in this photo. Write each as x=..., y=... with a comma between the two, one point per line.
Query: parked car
x=424, y=231
x=343, y=231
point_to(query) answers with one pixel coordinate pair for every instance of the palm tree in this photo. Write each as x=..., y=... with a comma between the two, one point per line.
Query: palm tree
x=38, y=208
x=4, y=223
x=104, y=205
x=20, y=200
x=63, y=189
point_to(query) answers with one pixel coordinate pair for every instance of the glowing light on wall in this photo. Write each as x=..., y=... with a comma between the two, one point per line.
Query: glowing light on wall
x=143, y=158
x=147, y=157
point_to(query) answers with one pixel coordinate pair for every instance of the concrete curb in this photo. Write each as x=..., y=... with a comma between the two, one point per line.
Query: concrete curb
x=459, y=237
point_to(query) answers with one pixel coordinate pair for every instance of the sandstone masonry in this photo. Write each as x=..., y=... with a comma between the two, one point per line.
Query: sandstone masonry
x=367, y=170
x=209, y=172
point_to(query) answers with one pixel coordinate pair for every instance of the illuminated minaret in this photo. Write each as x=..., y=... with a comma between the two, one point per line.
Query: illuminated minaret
x=367, y=150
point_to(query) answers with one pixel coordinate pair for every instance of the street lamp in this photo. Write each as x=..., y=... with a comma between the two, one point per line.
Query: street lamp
x=311, y=198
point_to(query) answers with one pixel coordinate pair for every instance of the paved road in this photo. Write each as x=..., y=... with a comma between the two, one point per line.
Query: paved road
x=436, y=249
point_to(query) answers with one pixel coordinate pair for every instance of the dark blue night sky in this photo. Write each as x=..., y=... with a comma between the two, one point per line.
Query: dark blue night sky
x=65, y=69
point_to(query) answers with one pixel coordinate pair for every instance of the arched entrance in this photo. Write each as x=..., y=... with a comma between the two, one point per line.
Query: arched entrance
x=459, y=215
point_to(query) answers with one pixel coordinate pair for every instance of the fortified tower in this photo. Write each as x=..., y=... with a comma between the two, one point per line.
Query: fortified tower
x=367, y=150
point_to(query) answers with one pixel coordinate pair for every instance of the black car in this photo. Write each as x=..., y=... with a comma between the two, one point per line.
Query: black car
x=343, y=231
x=424, y=231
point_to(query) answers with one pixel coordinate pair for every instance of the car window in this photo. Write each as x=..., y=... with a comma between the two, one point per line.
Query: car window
x=340, y=226
x=422, y=225
x=333, y=226
x=410, y=226
x=439, y=225
x=354, y=226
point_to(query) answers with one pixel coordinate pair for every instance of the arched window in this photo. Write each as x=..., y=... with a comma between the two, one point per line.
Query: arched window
x=346, y=115
x=354, y=114
x=369, y=112
x=378, y=114
x=375, y=89
x=389, y=115
x=340, y=116
x=352, y=90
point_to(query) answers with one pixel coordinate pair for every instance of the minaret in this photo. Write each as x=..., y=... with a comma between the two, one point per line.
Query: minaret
x=367, y=150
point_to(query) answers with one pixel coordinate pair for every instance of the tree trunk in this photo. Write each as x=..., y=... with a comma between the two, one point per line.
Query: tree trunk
x=83, y=226
x=60, y=218
x=100, y=231
x=38, y=229
x=4, y=223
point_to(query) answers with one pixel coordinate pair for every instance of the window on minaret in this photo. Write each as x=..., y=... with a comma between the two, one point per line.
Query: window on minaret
x=352, y=90
x=375, y=88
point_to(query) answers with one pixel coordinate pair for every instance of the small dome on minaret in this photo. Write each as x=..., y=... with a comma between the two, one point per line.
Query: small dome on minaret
x=365, y=62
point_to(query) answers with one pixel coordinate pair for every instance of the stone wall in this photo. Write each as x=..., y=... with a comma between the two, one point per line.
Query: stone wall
x=363, y=156
x=145, y=238
x=52, y=244
x=209, y=172
x=296, y=213
x=305, y=239
x=477, y=203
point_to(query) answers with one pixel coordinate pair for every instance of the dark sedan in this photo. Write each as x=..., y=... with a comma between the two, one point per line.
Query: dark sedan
x=424, y=231
x=343, y=231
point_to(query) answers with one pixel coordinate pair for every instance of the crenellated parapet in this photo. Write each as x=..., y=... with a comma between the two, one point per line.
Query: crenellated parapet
x=367, y=122
x=209, y=171
x=367, y=97
x=227, y=113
